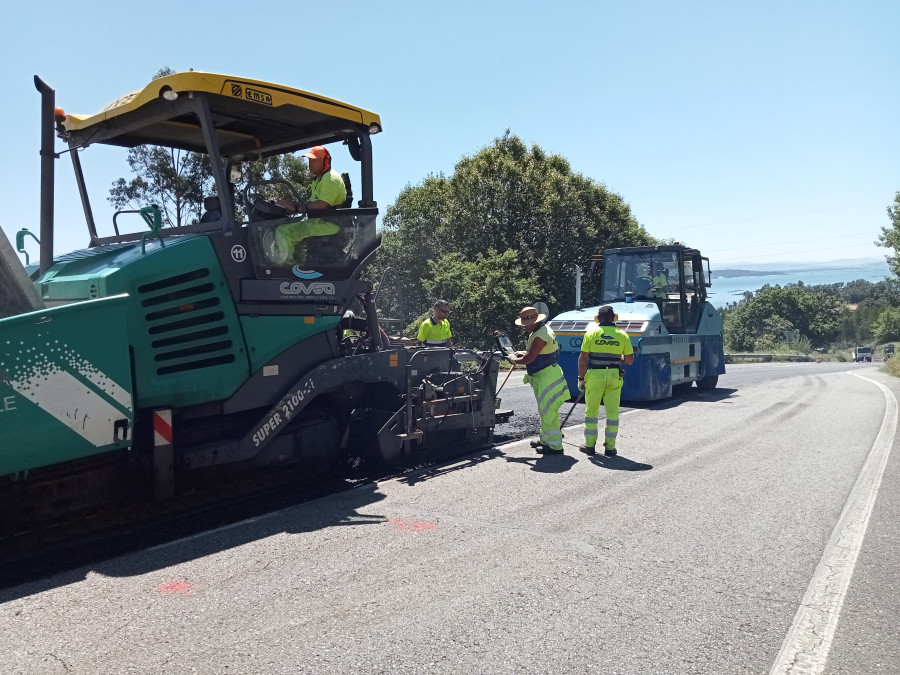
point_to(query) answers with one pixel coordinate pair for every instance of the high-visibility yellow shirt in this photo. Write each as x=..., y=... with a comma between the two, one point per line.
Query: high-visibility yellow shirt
x=606, y=344
x=660, y=281
x=434, y=334
x=329, y=188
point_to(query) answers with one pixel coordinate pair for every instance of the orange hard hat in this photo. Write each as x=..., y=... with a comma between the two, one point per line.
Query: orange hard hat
x=318, y=152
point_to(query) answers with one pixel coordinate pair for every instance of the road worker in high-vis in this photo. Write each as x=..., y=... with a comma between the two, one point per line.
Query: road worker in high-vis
x=327, y=191
x=435, y=331
x=545, y=376
x=604, y=350
x=660, y=281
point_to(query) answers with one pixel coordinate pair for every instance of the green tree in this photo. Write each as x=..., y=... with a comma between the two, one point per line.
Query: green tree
x=886, y=327
x=290, y=168
x=487, y=294
x=890, y=236
x=756, y=324
x=174, y=180
x=856, y=291
x=506, y=197
x=410, y=241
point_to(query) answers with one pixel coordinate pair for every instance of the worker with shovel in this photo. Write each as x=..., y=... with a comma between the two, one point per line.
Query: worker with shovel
x=545, y=376
x=603, y=351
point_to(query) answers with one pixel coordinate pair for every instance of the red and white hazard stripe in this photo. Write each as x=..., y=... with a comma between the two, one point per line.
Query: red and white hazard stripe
x=162, y=427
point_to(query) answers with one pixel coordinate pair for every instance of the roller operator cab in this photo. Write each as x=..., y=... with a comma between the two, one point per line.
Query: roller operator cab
x=659, y=296
x=222, y=341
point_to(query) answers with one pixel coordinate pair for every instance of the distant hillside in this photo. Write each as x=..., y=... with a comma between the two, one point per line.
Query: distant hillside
x=727, y=274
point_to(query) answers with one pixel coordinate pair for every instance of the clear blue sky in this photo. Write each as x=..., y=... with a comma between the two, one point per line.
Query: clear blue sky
x=757, y=130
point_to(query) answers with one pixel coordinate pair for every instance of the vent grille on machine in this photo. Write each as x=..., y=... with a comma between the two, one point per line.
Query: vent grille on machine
x=569, y=325
x=186, y=324
x=631, y=326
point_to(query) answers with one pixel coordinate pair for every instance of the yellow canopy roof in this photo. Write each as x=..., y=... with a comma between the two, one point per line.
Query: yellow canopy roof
x=248, y=115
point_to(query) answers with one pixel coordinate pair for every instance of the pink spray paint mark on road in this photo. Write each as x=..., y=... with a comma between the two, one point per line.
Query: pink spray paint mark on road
x=415, y=527
x=181, y=587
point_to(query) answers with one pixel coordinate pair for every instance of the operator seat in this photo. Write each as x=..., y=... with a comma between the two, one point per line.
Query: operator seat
x=642, y=287
x=348, y=203
x=212, y=210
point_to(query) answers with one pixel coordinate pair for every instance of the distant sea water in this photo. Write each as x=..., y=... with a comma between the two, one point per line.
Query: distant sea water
x=726, y=290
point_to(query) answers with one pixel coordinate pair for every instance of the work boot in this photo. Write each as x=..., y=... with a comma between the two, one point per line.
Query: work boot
x=536, y=443
x=609, y=452
x=587, y=449
x=547, y=450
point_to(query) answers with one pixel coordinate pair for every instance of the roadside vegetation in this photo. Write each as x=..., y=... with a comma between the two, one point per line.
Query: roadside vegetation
x=827, y=319
x=824, y=321
x=892, y=367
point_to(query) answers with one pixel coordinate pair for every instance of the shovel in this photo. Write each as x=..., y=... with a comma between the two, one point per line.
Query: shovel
x=577, y=401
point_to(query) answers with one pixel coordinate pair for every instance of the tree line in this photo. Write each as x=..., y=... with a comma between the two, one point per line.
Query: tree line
x=827, y=315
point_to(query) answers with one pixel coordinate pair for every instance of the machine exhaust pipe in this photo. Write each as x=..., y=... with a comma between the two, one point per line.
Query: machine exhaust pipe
x=48, y=114
x=379, y=337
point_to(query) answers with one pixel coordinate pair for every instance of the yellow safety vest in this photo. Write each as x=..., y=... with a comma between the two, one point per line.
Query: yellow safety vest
x=606, y=344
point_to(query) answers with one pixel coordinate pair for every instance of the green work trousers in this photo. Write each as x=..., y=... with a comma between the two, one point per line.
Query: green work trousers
x=550, y=391
x=287, y=237
x=602, y=384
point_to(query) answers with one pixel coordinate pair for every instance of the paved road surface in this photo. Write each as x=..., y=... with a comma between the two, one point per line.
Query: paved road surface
x=736, y=534
x=526, y=423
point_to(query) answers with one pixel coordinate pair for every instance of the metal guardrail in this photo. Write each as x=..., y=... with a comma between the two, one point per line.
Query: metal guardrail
x=766, y=358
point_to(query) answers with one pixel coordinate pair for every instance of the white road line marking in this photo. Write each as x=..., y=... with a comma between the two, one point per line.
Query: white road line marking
x=806, y=646
x=209, y=533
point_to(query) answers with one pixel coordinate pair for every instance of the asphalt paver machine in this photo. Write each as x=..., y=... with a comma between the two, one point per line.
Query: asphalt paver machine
x=163, y=351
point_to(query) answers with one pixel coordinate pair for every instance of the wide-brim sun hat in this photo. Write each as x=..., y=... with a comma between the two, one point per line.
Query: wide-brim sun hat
x=529, y=315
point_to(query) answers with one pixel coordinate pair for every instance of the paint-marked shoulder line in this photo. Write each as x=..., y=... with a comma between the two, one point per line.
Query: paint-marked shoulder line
x=807, y=644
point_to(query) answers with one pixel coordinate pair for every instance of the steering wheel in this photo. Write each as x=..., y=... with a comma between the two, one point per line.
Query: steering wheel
x=642, y=286
x=654, y=287
x=263, y=208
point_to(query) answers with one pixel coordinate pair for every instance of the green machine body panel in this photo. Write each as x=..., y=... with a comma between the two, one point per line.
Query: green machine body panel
x=65, y=384
x=181, y=324
x=269, y=336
